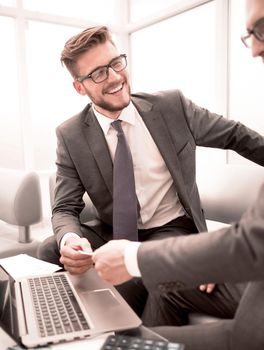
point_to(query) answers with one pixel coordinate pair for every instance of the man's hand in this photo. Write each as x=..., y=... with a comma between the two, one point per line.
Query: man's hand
x=207, y=288
x=72, y=259
x=109, y=262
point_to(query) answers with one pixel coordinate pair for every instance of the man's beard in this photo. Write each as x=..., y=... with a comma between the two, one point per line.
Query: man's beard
x=108, y=106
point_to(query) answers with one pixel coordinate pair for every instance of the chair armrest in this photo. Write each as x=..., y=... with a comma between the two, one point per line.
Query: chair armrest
x=226, y=190
x=20, y=197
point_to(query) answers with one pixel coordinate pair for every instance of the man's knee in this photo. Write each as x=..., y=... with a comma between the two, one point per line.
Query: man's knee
x=48, y=250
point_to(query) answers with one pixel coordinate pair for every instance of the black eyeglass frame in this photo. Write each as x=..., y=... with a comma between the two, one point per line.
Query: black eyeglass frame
x=106, y=67
x=258, y=35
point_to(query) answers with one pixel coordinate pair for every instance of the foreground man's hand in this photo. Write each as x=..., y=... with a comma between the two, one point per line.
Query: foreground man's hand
x=109, y=262
x=72, y=259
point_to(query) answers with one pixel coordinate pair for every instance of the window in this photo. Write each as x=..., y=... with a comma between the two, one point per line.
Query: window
x=99, y=11
x=52, y=96
x=11, y=142
x=7, y=3
x=174, y=54
x=145, y=8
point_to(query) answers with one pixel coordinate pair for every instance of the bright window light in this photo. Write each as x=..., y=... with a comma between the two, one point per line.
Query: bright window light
x=7, y=3
x=11, y=146
x=95, y=11
x=52, y=96
x=174, y=54
x=145, y=8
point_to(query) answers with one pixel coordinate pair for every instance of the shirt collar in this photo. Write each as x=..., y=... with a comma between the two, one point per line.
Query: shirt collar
x=127, y=115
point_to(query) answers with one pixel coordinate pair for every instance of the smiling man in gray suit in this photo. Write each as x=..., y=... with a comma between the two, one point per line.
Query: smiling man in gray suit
x=234, y=254
x=162, y=131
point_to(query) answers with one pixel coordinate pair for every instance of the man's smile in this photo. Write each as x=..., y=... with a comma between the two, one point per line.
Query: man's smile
x=115, y=89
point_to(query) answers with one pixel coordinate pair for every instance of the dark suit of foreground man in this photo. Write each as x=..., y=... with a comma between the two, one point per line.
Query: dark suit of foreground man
x=162, y=131
x=233, y=254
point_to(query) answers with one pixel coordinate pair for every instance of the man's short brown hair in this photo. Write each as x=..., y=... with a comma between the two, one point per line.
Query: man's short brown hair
x=82, y=42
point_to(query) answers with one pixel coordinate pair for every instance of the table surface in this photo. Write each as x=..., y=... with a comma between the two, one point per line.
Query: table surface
x=94, y=343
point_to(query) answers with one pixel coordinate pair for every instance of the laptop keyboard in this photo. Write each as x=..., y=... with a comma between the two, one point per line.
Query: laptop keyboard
x=124, y=342
x=57, y=310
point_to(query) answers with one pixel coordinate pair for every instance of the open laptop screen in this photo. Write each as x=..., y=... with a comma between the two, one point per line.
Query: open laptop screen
x=8, y=310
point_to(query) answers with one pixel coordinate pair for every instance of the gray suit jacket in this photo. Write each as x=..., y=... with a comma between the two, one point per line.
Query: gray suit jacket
x=176, y=124
x=233, y=254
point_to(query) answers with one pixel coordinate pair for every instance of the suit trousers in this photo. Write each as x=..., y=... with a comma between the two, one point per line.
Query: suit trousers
x=155, y=309
x=244, y=332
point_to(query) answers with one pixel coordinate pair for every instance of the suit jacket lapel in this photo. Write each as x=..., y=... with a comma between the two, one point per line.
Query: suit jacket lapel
x=158, y=129
x=97, y=143
x=156, y=125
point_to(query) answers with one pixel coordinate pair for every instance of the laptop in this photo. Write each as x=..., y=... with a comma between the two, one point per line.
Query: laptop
x=58, y=307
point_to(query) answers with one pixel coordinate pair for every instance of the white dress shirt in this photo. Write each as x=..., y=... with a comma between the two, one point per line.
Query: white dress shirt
x=156, y=193
x=130, y=258
x=155, y=190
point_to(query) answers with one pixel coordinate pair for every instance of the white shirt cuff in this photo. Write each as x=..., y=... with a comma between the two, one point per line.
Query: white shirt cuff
x=66, y=236
x=130, y=257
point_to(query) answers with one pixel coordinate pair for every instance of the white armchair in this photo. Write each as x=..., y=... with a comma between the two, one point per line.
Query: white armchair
x=20, y=207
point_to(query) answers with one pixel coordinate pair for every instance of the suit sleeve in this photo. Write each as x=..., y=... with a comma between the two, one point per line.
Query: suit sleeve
x=233, y=254
x=213, y=130
x=69, y=191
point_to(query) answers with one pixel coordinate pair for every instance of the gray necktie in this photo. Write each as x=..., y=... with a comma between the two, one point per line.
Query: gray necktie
x=125, y=199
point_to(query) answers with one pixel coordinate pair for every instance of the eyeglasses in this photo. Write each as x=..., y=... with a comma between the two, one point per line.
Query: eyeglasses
x=100, y=74
x=257, y=31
